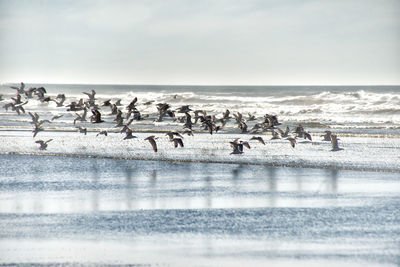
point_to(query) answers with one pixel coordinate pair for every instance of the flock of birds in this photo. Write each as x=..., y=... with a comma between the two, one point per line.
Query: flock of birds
x=123, y=120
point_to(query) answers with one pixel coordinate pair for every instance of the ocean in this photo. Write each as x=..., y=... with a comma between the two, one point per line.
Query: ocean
x=91, y=199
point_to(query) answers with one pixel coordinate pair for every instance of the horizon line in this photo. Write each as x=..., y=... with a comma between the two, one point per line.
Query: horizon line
x=177, y=84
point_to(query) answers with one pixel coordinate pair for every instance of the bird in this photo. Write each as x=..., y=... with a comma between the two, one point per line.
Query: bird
x=152, y=141
x=171, y=135
x=188, y=132
x=81, y=117
x=259, y=139
x=20, y=90
x=102, y=133
x=292, y=141
x=91, y=94
x=82, y=130
x=128, y=133
x=177, y=141
x=55, y=117
x=275, y=135
x=327, y=136
x=62, y=100
x=96, y=117
x=334, y=142
x=237, y=148
x=43, y=144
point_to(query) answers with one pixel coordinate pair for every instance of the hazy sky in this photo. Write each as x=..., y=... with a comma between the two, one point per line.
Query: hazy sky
x=266, y=42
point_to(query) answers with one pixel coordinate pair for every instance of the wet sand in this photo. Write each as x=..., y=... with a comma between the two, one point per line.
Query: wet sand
x=108, y=211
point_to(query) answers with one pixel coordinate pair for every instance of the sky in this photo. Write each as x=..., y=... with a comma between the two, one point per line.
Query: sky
x=201, y=42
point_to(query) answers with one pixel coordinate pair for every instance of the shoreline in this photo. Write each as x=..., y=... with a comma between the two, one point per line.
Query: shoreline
x=284, y=165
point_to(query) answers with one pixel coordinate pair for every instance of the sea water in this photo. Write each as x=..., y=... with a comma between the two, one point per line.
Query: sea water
x=94, y=199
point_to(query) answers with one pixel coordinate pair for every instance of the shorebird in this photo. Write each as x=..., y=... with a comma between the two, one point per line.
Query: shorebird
x=82, y=130
x=183, y=109
x=307, y=135
x=81, y=117
x=283, y=133
x=334, y=142
x=238, y=146
x=96, y=117
x=327, y=136
x=152, y=141
x=102, y=133
x=177, y=141
x=91, y=94
x=56, y=117
x=252, y=117
x=292, y=141
x=188, y=132
x=36, y=130
x=20, y=89
x=43, y=144
x=259, y=139
x=128, y=133
x=62, y=100
x=171, y=135
x=275, y=135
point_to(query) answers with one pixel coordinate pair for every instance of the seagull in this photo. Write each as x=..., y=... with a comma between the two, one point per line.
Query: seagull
x=128, y=133
x=275, y=135
x=188, y=132
x=177, y=141
x=62, y=100
x=56, y=117
x=327, y=136
x=335, y=144
x=238, y=146
x=36, y=130
x=82, y=130
x=81, y=117
x=259, y=139
x=96, y=117
x=171, y=135
x=43, y=144
x=292, y=141
x=91, y=94
x=20, y=90
x=152, y=141
x=102, y=133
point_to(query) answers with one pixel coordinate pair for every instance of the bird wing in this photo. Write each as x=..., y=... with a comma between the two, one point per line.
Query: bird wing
x=153, y=144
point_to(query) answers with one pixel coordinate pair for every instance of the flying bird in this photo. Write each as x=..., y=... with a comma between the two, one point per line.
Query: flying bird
x=334, y=142
x=259, y=139
x=152, y=141
x=43, y=144
x=177, y=142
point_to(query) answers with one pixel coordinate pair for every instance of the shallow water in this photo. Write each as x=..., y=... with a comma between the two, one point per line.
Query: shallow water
x=106, y=211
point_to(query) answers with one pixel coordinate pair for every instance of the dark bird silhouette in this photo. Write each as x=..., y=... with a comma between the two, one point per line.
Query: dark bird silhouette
x=102, y=133
x=43, y=144
x=177, y=141
x=129, y=133
x=20, y=89
x=188, y=132
x=152, y=141
x=96, y=117
x=259, y=139
x=327, y=136
x=82, y=130
x=171, y=135
x=292, y=141
x=335, y=143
